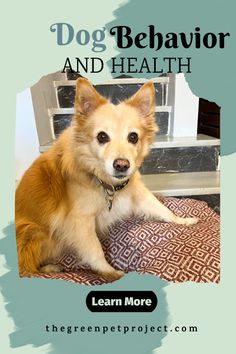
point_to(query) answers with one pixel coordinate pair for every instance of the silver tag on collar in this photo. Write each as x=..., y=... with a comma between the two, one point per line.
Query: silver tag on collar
x=109, y=196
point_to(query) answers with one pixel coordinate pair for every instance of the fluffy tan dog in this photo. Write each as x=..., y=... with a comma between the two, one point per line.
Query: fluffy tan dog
x=88, y=180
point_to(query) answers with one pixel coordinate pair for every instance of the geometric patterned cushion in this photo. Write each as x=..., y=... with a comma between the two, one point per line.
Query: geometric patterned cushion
x=172, y=252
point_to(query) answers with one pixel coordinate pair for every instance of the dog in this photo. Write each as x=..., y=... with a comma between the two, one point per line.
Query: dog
x=87, y=181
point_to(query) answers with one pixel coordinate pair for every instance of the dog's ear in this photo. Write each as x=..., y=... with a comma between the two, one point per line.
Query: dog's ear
x=87, y=98
x=144, y=99
x=144, y=102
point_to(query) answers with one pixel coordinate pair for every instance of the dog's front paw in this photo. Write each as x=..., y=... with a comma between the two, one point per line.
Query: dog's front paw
x=187, y=221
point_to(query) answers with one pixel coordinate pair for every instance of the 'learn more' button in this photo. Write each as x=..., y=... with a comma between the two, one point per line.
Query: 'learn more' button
x=121, y=301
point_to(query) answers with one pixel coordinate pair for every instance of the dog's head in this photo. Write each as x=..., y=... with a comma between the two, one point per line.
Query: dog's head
x=112, y=140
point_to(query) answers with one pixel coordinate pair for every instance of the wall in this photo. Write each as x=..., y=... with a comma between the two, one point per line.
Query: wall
x=185, y=109
x=26, y=139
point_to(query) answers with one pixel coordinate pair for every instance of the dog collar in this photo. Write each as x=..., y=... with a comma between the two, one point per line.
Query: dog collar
x=110, y=190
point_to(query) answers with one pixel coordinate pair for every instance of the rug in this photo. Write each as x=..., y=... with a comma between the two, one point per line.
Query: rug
x=174, y=253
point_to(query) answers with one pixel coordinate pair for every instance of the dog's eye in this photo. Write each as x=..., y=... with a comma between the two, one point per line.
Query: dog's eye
x=133, y=138
x=103, y=138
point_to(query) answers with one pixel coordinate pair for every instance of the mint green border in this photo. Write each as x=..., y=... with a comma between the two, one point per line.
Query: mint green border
x=29, y=52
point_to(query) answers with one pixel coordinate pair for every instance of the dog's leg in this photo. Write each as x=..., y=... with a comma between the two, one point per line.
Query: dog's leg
x=147, y=205
x=52, y=251
x=84, y=241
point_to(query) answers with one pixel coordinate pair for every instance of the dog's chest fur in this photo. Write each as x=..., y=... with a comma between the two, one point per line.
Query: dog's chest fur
x=121, y=208
x=92, y=202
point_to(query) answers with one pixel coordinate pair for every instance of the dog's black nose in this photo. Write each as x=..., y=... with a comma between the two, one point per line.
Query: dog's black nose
x=121, y=165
